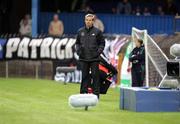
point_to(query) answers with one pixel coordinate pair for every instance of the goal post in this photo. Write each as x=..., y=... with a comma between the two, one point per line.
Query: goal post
x=155, y=59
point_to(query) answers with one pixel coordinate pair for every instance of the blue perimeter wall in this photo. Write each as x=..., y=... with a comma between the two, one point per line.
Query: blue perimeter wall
x=114, y=24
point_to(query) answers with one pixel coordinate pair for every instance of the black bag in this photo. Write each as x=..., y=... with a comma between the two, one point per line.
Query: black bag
x=104, y=82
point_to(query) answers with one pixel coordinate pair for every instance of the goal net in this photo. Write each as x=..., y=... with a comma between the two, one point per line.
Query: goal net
x=155, y=58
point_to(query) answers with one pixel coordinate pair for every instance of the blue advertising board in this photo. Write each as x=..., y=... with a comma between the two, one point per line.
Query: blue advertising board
x=2, y=43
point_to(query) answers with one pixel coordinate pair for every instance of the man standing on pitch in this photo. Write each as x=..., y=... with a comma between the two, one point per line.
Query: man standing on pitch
x=89, y=45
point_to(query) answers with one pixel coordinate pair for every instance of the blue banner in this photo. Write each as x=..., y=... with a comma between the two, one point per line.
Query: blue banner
x=2, y=43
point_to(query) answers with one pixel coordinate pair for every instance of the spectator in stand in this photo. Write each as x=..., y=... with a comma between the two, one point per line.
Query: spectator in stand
x=98, y=23
x=160, y=11
x=124, y=7
x=25, y=26
x=86, y=9
x=146, y=12
x=137, y=11
x=28, y=18
x=113, y=10
x=171, y=8
x=56, y=27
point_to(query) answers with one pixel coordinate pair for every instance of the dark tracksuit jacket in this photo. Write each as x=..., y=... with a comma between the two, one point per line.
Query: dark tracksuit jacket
x=89, y=45
x=137, y=57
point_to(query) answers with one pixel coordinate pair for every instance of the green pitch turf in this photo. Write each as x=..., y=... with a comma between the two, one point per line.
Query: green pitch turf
x=28, y=101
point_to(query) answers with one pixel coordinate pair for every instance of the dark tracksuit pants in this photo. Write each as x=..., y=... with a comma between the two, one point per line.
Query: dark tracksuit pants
x=86, y=67
x=137, y=76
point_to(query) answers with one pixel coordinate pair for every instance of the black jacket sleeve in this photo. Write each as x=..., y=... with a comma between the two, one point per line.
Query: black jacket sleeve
x=131, y=56
x=139, y=57
x=101, y=42
x=77, y=46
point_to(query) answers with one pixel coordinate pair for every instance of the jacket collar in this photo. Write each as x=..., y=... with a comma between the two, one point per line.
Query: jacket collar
x=88, y=29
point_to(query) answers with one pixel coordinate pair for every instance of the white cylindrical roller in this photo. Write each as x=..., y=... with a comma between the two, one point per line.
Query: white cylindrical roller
x=83, y=100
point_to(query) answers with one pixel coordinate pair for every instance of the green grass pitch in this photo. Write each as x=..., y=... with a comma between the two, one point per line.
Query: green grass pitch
x=29, y=101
